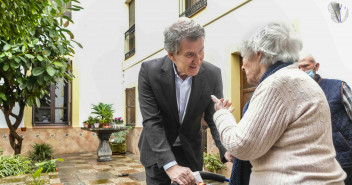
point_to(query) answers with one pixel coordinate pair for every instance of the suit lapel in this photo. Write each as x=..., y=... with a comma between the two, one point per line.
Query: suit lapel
x=196, y=92
x=167, y=77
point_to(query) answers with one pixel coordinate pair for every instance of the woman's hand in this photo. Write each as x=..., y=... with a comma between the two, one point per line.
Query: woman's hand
x=222, y=104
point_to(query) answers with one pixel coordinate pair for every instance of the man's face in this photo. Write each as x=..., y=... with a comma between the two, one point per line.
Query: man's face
x=189, y=58
x=306, y=64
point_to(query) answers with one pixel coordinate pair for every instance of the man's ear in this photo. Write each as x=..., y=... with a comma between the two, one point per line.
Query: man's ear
x=171, y=56
x=316, y=67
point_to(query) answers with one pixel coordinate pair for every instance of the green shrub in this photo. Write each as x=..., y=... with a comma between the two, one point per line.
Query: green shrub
x=213, y=163
x=41, y=152
x=14, y=165
x=48, y=166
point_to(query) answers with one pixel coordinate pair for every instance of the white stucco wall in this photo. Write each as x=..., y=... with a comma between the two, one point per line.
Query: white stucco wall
x=100, y=29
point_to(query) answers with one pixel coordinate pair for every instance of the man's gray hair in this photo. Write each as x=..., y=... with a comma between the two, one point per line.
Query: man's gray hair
x=304, y=54
x=182, y=28
x=276, y=41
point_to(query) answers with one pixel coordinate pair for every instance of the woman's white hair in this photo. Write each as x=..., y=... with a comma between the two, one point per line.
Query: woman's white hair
x=276, y=41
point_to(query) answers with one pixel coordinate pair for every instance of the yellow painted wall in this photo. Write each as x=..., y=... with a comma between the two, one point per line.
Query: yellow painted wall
x=28, y=117
x=75, y=100
x=236, y=85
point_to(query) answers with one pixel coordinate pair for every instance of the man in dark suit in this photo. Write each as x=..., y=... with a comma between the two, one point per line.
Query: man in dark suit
x=174, y=93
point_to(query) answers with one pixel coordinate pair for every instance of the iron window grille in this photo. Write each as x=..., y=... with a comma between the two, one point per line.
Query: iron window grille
x=189, y=7
x=130, y=42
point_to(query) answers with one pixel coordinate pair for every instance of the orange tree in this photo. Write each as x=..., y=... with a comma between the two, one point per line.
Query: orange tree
x=35, y=46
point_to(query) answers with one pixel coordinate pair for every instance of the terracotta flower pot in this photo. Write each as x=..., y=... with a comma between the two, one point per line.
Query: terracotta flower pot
x=23, y=129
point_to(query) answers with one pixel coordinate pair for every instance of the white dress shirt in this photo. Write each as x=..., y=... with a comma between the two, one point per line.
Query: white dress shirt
x=183, y=91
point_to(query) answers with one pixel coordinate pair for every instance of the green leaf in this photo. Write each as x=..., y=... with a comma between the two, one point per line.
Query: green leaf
x=37, y=101
x=5, y=67
x=50, y=70
x=71, y=35
x=62, y=50
x=17, y=59
x=60, y=159
x=24, y=49
x=6, y=47
x=67, y=18
x=37, y=173
x=8, y=54
x=14, y=65
x=22, y=85
x=23, y=59
x=47, y=52
x=74, y=9
x=40, y=58
x=2, y=96
x=29, y=102
x=29, y=55
x=35, y=41
x=37, y=71
x=71, y=50
x=77, y=6
x=78, y=44
x=47, y=78
x=52, y=33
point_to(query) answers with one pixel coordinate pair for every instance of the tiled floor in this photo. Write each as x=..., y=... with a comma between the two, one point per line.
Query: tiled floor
x=83, y=169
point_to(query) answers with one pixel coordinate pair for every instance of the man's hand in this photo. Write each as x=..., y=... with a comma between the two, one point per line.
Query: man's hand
x=181, y=175
x=222, y=104
x=228, y=156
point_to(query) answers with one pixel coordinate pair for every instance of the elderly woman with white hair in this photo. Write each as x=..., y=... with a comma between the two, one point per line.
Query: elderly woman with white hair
x=285, y=132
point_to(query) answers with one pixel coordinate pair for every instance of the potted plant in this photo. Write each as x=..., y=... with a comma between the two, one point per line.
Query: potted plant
x=213, y=163
x=85, y=124
x=96, y=122
x=90, y=121
x=117, y=122
x=118, y=141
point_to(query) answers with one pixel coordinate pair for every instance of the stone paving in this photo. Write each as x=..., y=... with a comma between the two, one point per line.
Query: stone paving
x=84, y=169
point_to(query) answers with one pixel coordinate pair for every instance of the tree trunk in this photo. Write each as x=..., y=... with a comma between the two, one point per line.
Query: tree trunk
x=15, y=139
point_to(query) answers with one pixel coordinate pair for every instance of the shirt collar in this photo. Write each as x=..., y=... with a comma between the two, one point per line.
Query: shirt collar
x=176, y=74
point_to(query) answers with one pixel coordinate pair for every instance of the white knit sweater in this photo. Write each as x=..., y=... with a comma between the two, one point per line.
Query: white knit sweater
x=285, y=133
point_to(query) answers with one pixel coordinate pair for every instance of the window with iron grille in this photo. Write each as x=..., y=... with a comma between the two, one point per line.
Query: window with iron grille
x=187, y=8
x=130, y=106
x=55, y=109
x=130, y=33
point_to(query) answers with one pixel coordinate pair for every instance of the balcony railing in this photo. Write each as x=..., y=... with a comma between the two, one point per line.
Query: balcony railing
x=130, y=53
x=194, y=8
x=129, y=31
